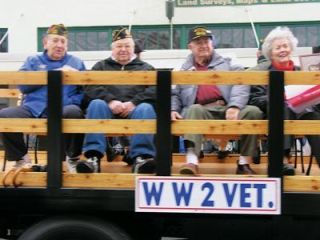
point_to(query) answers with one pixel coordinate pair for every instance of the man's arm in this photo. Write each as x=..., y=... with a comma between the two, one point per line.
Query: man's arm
x=29, y=65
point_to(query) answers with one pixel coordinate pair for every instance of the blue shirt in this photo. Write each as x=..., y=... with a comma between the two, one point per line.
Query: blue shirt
x=35, y=96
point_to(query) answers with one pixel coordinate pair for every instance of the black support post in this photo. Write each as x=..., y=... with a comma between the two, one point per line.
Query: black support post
x=163, y=136
x=276, y=124
x=55, y=139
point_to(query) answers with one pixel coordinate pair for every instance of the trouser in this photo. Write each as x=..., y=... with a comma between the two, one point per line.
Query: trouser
x=248, y=143
x=140, y=144
x=15, y=145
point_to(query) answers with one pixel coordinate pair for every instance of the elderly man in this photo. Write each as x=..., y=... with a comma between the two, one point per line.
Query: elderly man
x=212, y=101
x=113, y=101
x=34, y=105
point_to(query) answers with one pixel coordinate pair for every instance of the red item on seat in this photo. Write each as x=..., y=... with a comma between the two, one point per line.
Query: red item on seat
x=305, y=99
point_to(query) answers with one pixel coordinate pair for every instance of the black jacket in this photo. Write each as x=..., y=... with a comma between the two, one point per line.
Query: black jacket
x=133, y=93
x=259, y=93
x=259, y=97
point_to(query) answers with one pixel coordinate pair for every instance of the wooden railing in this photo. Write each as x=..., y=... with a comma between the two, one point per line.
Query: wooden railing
x=128, y=127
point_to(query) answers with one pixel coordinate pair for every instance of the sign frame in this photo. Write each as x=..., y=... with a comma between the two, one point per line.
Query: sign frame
x=159, y=194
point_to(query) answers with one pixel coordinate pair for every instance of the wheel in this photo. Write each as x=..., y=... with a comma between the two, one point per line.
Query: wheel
x=72, y=228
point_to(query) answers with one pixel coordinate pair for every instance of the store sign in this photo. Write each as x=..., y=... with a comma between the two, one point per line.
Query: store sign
x=207, y=3
x=208, y=195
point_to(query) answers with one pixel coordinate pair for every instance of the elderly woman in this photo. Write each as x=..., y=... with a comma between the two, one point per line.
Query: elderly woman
x=278, y=47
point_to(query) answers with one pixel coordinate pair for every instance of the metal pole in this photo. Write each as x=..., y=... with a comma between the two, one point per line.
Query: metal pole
x=131, y=20
x=171, y=34
x=170, y=14
x=253, y=28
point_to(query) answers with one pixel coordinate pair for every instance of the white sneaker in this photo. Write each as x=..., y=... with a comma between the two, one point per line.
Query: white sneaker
x=25, y=162
x=72, y=164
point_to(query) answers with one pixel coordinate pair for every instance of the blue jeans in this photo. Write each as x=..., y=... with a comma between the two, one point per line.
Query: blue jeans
x=140, y=144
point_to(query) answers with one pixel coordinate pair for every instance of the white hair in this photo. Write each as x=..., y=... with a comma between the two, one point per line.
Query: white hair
x=278, y=33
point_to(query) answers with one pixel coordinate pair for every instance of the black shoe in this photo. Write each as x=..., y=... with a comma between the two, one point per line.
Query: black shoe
x=144, y=165
x=111, y=155
x=91, y=165
x=39, y=168
x=201, y=154
x=222, y=154
x=245, y=169
x=127, y=159
x=288, y=170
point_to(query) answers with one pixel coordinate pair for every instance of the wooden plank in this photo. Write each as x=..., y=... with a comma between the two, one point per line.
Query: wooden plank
x=208, y=127
x=95, y=180
x=39, y=126
x=126, y=181
x=220, y=127
x=179, y=77
x=9, y=93
x=28, y=125
x=149, y=77
x=123, y=126
x=302, y=184
x=302, y=78
x=25, y=78
x=178, y=127
x=127, y=127
x=111, y=77
x=302, y=127
x=220, y=77
x=106, y=180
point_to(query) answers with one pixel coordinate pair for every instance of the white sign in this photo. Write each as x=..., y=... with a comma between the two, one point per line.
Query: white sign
x=208, y=195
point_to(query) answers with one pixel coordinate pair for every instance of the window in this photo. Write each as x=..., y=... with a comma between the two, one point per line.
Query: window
x=308, y=34
x=3, y=40
x=83, y=38
x=234, y=37
x=158, y=37
x=99, y=39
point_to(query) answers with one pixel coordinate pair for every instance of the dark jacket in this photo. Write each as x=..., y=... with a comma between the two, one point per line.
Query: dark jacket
x=133, y=93
x=259, y=93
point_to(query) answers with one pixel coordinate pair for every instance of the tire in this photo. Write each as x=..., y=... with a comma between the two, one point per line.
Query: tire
x=74, y=228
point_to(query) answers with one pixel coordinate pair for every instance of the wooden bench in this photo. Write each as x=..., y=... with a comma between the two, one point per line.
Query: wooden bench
x=210, y=127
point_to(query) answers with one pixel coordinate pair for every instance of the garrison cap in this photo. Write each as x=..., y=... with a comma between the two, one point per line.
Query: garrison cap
x=120, y=33
x=58, y=29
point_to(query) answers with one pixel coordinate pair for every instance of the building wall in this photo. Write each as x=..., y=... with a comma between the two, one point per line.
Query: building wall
x=23, y=17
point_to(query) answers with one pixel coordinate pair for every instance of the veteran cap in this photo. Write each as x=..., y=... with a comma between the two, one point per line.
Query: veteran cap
x=198, y=32
x=58, y=29
x=120, y=33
